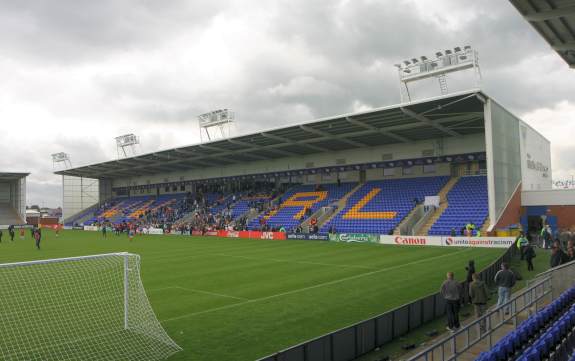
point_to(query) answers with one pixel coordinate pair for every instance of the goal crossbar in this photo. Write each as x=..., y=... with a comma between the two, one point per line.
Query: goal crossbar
x=79, y=308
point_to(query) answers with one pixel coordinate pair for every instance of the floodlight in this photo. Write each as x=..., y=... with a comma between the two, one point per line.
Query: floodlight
x=406, y=71
x=448, y=52
x=414, y=60
x=406, y=62
x=462, y=57
x=467, y=47
x=423, y=58
x=457, y=49
x=438, y=54
x=433, y=65
x=398, y=66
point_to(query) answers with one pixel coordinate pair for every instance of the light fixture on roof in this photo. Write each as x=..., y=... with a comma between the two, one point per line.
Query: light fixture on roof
x=126, y=144
x=222, y=119
x=62, y=159
x=447, y=61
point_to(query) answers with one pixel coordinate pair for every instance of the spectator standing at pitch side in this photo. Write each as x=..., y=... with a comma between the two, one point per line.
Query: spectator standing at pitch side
x=529, y=253
x=479, y=295
x=470, y=271
x=558, y=257
x=505, y=280
x=451, y=292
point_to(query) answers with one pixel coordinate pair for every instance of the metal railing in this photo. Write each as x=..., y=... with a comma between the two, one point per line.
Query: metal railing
x=452, y=346
x=544, y=287
x=351, y=342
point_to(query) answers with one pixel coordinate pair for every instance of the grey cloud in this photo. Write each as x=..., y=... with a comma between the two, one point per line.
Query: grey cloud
x=69, y=31
x=356, y=42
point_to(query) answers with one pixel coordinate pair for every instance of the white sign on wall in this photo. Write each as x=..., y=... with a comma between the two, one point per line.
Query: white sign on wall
x=535, y=160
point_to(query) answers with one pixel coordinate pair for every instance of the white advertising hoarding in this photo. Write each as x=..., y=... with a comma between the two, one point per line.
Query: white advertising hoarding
x=485, y=242
x=411, y=240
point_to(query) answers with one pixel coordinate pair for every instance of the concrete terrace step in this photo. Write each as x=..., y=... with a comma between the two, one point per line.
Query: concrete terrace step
x=443, y=204
x=341, y=204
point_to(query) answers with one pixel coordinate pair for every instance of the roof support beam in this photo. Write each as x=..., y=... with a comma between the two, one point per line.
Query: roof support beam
x=332, y=136
x=410, y=113
x=261, y=147
x=570, y=45
x=550, y=14
x=375, y=129
x=294, y=142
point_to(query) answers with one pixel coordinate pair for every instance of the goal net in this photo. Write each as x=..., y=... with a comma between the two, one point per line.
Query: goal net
x=80, y=308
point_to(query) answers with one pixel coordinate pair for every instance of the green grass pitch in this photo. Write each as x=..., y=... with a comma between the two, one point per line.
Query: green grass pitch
x=238, y=299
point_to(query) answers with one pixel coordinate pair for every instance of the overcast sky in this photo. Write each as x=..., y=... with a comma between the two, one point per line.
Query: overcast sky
x=76, y=73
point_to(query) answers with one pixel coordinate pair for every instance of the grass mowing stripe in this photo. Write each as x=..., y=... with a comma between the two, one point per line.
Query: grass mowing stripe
x=199, y=291
x=313, y=287
x=296, y=262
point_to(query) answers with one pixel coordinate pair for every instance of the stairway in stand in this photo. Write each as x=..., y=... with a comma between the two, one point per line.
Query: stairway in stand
x=340, y=205
x=442, y=206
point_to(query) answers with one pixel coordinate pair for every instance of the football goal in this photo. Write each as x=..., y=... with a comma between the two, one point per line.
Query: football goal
x=79, y=308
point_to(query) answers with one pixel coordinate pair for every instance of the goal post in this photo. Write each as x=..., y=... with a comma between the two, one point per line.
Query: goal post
x=79, y=308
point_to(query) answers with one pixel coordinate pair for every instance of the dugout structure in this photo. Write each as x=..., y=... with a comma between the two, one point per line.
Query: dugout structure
x=12, y=198
x=457, y=134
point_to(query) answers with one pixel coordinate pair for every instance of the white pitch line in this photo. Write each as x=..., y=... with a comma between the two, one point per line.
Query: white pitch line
x=295, y=261
x=310, y=287
x=198, y=291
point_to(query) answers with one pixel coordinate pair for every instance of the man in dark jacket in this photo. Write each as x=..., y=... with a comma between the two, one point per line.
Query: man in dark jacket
x=479, y=295
x=529, y=255
x=504, y=280
x=451, y=292
x=470, y=271
x=557, y=255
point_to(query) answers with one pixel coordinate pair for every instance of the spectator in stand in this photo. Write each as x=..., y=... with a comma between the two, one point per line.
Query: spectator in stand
x=453, y=232
x=505, y=280
x=479, y=295
x=451, y=292
x=529, y=253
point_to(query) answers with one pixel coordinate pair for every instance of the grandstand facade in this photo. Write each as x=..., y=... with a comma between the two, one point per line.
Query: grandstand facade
x=12, y=198
x=428, y=167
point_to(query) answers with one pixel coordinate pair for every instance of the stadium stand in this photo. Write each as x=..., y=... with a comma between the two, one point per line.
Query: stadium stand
x=375, y=207
x=130, y=209
x=547, y=335
x=299, y=203
x=467, y=202
x=379, y=206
